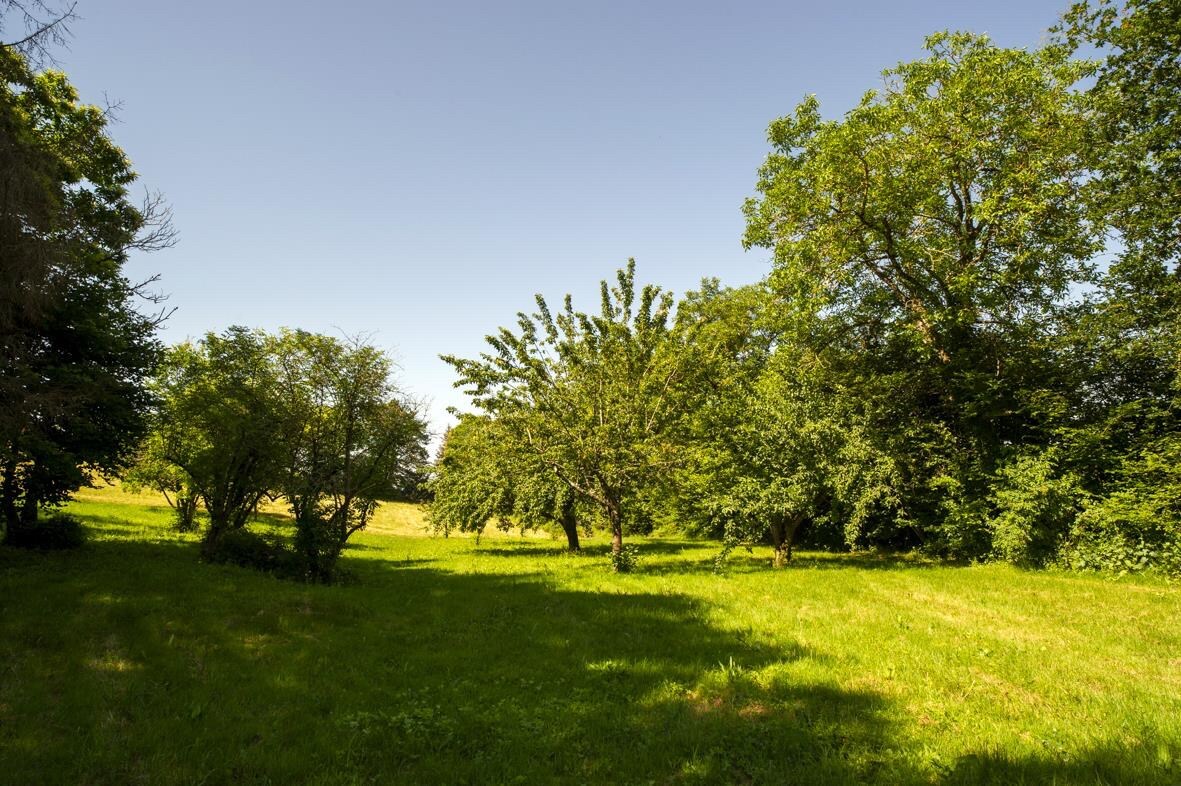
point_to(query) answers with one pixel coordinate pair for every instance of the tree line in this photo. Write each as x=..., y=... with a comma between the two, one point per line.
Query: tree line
x=968, y=343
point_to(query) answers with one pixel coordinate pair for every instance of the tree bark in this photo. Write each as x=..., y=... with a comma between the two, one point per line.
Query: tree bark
x=29, y=510
x=778, y=528
x=783, y=533
x=570, y=527
x=615, y=517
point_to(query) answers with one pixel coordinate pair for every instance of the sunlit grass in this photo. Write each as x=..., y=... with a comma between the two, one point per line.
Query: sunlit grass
x=511, y=661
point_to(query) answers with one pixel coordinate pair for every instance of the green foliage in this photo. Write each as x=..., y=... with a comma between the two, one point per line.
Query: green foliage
x=51, y=533
x=348, y=439
x=472, y=482
x=247, y=416
x=218, y=422
x=248, y=549
x=625, y=560
x=483, y=474
x=153, y=470
x=925, y=245
x=1135, y=125
x=1035, y=506
x=945, y=208
x=591, y=397
x=74, y=350
x=1138, y=525
x=1127, y=344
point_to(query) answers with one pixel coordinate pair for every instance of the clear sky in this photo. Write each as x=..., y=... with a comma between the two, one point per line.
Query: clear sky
x=418, y=170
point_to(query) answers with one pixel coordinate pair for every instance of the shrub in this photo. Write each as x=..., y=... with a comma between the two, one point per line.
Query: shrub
x=55, y=532
x=963, y=533
x=625, y=560
x=318, y=544
x=1035, y=506
x=247, y=549
x=1122, y=534
x=1137, y=527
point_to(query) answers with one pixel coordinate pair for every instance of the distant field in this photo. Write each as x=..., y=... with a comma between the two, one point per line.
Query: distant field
x=130, y=661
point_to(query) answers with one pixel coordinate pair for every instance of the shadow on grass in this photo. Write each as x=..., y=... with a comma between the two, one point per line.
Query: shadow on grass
x=142, y=664
x=164, y=669
x=535, y=548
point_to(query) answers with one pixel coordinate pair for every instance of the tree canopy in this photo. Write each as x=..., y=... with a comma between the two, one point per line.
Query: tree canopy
x=76, y=348
x=591, y=396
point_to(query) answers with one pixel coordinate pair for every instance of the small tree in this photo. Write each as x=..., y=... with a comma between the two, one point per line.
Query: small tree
x=349, y=439
x=774, y=443
x=154, y=471
x=481, y=475
x=592, y=397
x=220, y=422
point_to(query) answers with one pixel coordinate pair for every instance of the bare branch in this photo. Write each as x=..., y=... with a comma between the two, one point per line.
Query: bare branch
x=45, y=28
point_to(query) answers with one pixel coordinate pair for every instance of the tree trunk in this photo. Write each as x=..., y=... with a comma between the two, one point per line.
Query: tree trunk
x=28, y=515
x=570, y=527
x=783, y=533
x=8, y=497
x=218, y=526
x=778, y=540
x=615, y=517
x=186, y=510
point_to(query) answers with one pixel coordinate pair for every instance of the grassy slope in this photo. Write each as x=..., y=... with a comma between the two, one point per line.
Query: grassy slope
x=130, y=661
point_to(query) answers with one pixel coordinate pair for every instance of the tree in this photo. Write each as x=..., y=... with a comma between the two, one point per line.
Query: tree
x=349, y=439
x=775, y=443
x=1135, y=120
x=220, y=421
x=76, y=351
x=153, y=470
x=482, y=475
x=1126, y=419
x=924, y=246
x=591, y=397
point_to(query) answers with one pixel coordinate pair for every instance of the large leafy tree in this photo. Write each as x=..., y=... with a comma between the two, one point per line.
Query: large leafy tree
x=1136, y=116
x=924, y=245
x=592, y=397
x=76, y=350
x=1125, y=430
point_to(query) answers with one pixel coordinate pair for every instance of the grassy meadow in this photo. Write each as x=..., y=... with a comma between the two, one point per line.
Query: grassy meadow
x=129, y=661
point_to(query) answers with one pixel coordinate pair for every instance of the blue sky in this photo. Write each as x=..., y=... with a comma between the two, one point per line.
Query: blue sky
x=418, y=170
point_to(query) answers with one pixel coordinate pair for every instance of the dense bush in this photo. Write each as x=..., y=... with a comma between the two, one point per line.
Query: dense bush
x=1138, y=527
x=55, y=532
x=318, y=544
x=1035, y=507
x=250, y=550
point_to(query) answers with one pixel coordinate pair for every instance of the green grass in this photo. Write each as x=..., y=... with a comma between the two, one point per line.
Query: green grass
x=129, y=661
